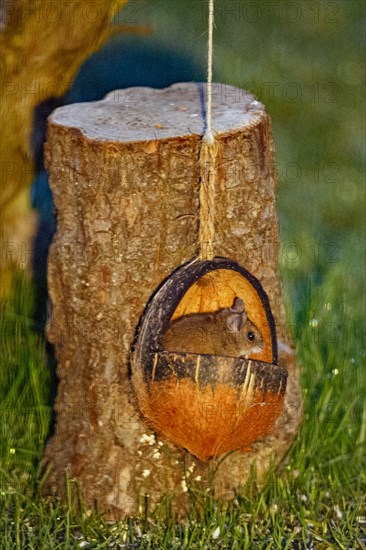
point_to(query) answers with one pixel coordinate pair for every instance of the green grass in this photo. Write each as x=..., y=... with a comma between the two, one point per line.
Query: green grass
x=317, y=495
x=25, y=409
x=316, y=499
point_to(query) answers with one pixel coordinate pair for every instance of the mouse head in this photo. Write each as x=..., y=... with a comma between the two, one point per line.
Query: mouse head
x=240, y=325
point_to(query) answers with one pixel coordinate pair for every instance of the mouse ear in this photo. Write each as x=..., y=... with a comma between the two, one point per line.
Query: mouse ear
x=235, y=321
x=238, y=306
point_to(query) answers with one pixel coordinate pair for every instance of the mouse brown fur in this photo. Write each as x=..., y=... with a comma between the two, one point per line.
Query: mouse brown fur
x=226, y=331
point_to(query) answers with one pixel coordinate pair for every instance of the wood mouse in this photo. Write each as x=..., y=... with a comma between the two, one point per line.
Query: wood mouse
x=226, y=331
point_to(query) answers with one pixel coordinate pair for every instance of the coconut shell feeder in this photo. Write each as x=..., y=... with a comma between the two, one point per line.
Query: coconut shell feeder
x=151, y=231
x=243, y=395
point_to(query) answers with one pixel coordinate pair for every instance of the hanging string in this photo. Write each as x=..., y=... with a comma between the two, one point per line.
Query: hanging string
x=209, y=135
x=208, y=156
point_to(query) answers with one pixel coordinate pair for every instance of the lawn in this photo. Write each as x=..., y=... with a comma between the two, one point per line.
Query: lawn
x=304, y=60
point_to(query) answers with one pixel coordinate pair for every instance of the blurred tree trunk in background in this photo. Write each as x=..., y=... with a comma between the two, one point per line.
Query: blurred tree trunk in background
x=42, y=45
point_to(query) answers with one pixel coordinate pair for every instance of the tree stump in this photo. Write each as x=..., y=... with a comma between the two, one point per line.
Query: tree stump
x=125, y=177
x=42, y=45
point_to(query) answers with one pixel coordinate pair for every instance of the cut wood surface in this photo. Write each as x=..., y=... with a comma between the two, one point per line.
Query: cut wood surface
x=124, y=174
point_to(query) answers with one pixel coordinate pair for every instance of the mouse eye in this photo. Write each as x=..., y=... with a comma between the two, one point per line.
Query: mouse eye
x=251, y=335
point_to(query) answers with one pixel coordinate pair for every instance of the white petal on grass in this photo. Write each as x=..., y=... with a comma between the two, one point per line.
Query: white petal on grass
x=149, y=439
x=337, y=511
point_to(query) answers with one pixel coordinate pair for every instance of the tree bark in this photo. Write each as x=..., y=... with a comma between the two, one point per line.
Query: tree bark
x=125, y=178
x=42, y=45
